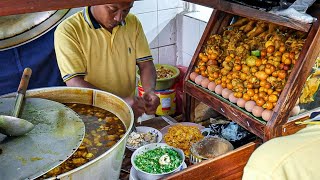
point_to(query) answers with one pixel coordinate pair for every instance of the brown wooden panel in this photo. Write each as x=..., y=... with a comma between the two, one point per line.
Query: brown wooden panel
x=10, y=7
x=227, y=166
x=295, y=82
x=291, y=128
x=245, y=11
x=226, y=109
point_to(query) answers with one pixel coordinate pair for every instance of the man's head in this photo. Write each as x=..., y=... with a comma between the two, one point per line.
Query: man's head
x=110, y=15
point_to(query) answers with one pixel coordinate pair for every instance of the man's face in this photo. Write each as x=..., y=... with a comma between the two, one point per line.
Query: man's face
x=110, y=15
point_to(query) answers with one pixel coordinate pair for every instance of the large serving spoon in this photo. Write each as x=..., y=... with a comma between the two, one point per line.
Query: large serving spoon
x=12, y=125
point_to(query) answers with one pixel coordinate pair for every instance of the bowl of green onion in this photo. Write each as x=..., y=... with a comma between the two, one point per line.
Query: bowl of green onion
x=157, y=160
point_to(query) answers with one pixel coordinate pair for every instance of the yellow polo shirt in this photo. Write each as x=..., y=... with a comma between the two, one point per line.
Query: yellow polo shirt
x=106, y=60
x=294, y=157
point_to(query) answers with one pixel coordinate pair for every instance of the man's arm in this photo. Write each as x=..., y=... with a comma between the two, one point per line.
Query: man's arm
x=148, y=78
x=79, y=81
x=148, y=75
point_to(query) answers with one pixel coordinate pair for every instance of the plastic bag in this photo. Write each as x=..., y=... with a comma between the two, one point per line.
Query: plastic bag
x=297, y=11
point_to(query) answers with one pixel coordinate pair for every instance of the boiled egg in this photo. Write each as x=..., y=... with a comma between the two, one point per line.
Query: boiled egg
x=257, y=111
x=241, y=102
x=218, y=89
x=211, y=86
x=198, y=79
x=295, y=111
x=205, y=82
x=266, y=114
x=249, y=105
x=232, y=98
x=193, y=76
x=226, y=92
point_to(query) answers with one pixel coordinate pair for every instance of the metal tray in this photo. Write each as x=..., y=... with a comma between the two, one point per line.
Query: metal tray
x=58, y=133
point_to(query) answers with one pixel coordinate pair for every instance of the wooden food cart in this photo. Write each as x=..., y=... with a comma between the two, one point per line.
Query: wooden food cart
x=230, y=165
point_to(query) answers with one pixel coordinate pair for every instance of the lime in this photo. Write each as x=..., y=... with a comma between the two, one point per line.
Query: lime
x=255, y=53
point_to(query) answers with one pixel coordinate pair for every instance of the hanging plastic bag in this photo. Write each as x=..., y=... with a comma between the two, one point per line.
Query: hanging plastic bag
x=297, y=11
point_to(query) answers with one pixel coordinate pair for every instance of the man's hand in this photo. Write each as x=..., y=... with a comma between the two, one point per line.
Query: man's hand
x=152, y=101
x=137, y=104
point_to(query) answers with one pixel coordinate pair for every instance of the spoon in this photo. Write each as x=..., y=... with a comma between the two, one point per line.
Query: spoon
x=12, y=125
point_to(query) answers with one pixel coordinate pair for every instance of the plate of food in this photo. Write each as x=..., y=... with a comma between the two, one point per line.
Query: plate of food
x=182, y=135
x=144, y=135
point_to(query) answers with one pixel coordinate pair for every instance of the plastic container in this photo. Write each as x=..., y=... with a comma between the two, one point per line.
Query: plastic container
x=164, y=83
x=167, y=101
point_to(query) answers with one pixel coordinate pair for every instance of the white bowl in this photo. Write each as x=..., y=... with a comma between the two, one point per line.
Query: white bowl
x=145, y=129
x=149, y=176
x=166, y=129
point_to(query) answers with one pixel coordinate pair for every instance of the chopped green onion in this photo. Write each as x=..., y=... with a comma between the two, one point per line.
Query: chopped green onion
x=149, y=161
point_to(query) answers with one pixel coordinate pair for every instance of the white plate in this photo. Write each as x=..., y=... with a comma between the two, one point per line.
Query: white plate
x=145, y=129
x=133, y=172
x=164, y=130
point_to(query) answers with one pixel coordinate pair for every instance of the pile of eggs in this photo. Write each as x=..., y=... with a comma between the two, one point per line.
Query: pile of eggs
x=249, y=106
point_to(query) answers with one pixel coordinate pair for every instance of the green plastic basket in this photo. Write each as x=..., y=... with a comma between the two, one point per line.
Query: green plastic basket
x=164, y=83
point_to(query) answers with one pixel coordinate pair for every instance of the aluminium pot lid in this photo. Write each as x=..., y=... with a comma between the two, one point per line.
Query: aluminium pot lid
x=57, y=134
x=16, y=30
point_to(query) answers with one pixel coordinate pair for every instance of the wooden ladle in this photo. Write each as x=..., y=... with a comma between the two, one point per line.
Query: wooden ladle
x=12, y=125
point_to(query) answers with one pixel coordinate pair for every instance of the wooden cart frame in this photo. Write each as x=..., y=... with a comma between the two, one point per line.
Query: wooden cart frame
x=230, y=165
x=278, y=125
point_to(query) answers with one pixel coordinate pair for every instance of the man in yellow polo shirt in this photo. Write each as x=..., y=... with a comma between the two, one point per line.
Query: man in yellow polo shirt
x=100, y=48
x=293, y=157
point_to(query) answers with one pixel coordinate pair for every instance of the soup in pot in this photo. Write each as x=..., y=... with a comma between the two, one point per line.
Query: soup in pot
x=103, y=130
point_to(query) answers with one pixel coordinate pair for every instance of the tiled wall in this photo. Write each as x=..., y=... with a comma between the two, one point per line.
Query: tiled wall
x=190, y=29
x=158, y=18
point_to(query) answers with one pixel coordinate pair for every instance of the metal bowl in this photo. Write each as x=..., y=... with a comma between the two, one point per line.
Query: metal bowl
x=148, y=176
x=145, y=129
x=209, y=147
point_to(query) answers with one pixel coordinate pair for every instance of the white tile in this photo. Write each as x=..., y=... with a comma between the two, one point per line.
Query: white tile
x=149, y=23
x=186, y=59
x=190, y=35
x=144, y=6
x=181, y=4
x=202, y=27
x=179, y=29
x=155, y=55
x=169, y=4
x=183, y=59
x=167, y=27
x=167, y=55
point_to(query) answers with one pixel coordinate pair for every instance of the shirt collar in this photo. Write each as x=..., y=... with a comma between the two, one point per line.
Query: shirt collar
x=88, y=17
x=92, y=22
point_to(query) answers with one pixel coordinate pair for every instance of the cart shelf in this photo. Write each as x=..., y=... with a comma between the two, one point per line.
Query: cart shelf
x=223, y=106
x=278, y=125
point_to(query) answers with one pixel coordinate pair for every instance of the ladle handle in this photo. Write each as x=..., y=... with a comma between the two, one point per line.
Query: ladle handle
x=22, y=91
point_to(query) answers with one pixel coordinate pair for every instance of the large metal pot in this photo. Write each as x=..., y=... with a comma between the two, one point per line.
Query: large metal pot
x=16, y=30
x=107, y=165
